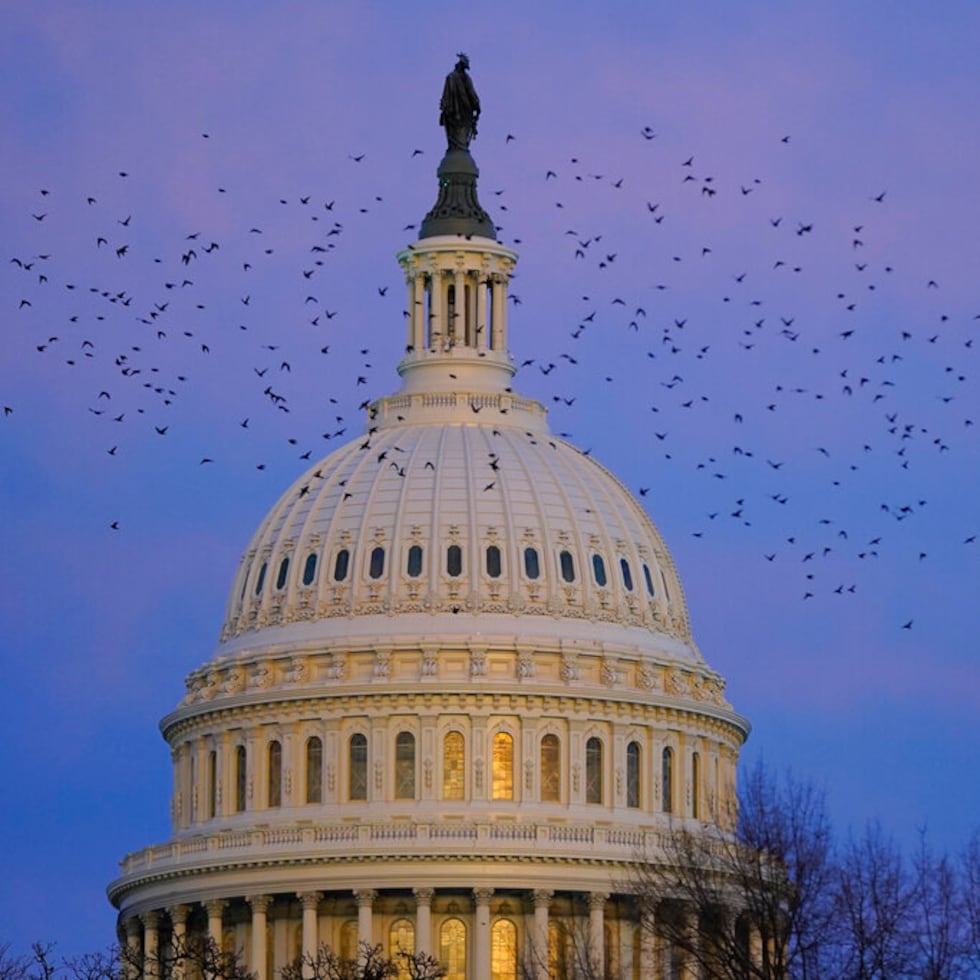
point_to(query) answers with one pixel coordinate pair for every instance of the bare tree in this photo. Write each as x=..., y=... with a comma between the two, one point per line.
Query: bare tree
x=970, y=881
x=370, y=963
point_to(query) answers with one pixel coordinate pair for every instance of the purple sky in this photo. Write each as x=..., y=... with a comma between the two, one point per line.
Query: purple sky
x=781, y=383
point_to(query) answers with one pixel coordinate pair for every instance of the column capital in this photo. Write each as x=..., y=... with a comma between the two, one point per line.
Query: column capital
x=542, y=897
x=150, y=919
x=423, y=896
x=310, y=900
x=482, y=895
x=259, y=903
x=133, y=927
x=365, y=897
x=179, y=913
x=215, y=906
x=597, y=900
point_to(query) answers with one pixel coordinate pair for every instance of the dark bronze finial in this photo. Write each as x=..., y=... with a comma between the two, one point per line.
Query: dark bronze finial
x=459, y=108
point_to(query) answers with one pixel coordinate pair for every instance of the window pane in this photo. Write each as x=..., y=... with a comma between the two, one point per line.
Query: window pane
x=624, y=567
x=649, y=581
x=503, y=950
x=453, y=767
x=275, y=774
x=452, y=949
x=414, y=561
x=401, y=939
x=599, y=569
x=405, y=766
x=493, y=561
x=340, y=565
x=377, y=567
x=283, y=574
x=240, y=778
x=593, y=771
x=633, y=774
x=531, y=568
x=550, y=769
x=567, y=566
x=314, y=770
x=261, y=579
x=357, y=788
x=454, y=560
x=667, y=780
x=309, y=569
x=503, y=767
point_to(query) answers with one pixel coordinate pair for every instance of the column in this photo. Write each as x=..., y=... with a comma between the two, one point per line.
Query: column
x=151, y=939
x=365, y=923
x=650, y=965
x=482, y=327
x=423, y=919
x=498, y=313
x=178, y=939
x=417, y=309
x=755, y=946
x=215, y=908
x=690, y=968
x=260, y=906
x=542, y=900
x=131, y=954
x=597, y=937
x=437, y=306
x=310, y=941
x=474, y=287
x=481, y=934
x=458, y=329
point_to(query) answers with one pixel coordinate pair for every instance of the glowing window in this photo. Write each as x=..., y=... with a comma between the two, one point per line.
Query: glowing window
x=649, y=580
x=531, y=568
x=357, y=786
x=348, y=939
x=624, y=567
x=667, y=780
x=405, y=766
x=260, y=581
x=503, y=767
x=493, y=561
x=283, y=574
x=567, y=566
x=550, y=769
x=309, y=569
x=560, y=957
x=453, y=767
x=599, y=570
x=241, y=778
x=414, y=561
x=452, y=949
x=503, y=950
x=314, y=770
x=340, y=565
x=593, y=771
x=401, y=940
x=454, y=561
x=633, y=774
x=275, y=774
x=377, y=567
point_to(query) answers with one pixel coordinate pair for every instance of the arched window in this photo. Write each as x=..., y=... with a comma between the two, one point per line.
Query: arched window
x=357, y=785
x=567, y=566
x=452, y=949
x=454, y=561
x=260, y=581
x=348, y=939
x=275, y=774
x=314, y=770
x=696, y=786
x=503, y=767
x=405, y=766
x=633, y=774
x=593, y=770
x=414, y=568
x=453, y=766
x=550, y=769
x=212, y=784
x=493, y=561
x=401, y=939
x=667, y=780
x=309, y=569
x=283, y=574
x=649, y=581
x=503, y=950
x=531, y=567
x=599, y=570
x=340, y=565
x=624, y=567
x=241, y=777
x=377, y=566
x=560, y=956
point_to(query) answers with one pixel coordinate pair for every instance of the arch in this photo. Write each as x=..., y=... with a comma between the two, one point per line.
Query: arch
x=404, y=766
x=503, y=950
x=314, y=770
x=502, y=784
x=452, y=949
x=275, y=774
x=453, y=766
x=667, y=780
x=550, y=769
x=633, y=770
x=241, y=778
x=357, y=775
x=593, y=770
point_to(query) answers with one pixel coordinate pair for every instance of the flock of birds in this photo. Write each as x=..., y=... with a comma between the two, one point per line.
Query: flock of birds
x=141, y=315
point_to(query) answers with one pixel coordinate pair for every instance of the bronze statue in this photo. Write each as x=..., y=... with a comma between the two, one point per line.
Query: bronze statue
x=459, y=107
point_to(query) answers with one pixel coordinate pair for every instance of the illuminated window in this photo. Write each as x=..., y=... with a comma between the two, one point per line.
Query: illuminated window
x=633, y=774
x=531, y=568
x=503, y=767
x=624, y=567
x=696, y=785
x=348, y=939
x=452, y=949
x=261, y=579
x=358, y=781
x=401, y=939
x=275, y=774
x=493, y=561
x=453, y=767
x=314, y=770
x=550, y=769
x=593, y=771
x=340, y=565
x=559, y=960
x=414, y=561
x=309, y=569
x=649, y=580
x=377, y=567
x=599, y=570
x=240, y=778
x=405, y=766
x=503, y=950
x=454, y=561
x=212, y=783
x=667, y=780
x=283, y=574
x=567, y=566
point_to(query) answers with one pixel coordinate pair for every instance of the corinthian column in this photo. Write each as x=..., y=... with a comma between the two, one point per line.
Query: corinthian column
x=178, y=940
x=215, y=908
x=423, y=919
x=311, y=901
x=597, y=950
x=481, y=938
x=542, y=901
x=260, y=906
x=151, y=940
x=365, y=922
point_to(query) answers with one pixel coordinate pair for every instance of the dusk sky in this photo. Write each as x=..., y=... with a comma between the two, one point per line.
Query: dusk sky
x=749, y=239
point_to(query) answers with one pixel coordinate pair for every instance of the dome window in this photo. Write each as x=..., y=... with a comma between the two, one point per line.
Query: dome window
x=309, y=569
x=624, y=567
x=314, y=770
x=377, y=567
x=275, y=774
x=414, y=561
x=260, y=581
x=357, y=784
x=241, y=778
x=493, y=561
x=340, y=565
x=283, y=574
x=454, y=561
x=593, y=771
x=633, y=775
x=405, y=766
x=649, y=580
x=599, y=570
x=567, y=566
x=531, y=567
x=667, y=780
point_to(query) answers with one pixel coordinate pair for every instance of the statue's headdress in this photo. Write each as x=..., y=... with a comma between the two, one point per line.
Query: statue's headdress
x=463, y=59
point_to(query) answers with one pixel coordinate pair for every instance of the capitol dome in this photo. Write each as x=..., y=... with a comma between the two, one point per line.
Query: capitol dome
x=455, y=694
